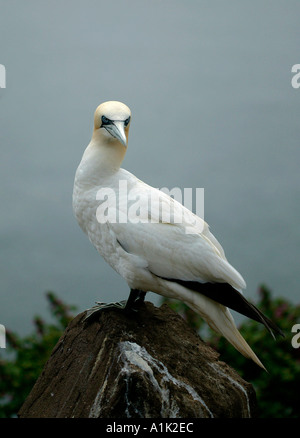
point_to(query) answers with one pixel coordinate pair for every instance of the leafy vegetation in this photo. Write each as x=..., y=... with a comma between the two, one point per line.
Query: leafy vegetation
x=277, y=391
x=28, y=356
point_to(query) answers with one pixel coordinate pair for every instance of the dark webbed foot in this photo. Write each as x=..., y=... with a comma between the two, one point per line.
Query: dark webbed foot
x=135, y=299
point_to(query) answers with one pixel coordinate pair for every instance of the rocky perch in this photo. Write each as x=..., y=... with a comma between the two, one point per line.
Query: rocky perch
x=149, y=365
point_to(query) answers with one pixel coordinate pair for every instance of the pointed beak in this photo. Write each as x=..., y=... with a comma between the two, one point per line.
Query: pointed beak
x=117, y=130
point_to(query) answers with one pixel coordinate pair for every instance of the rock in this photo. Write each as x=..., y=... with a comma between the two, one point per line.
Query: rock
x=149, y=365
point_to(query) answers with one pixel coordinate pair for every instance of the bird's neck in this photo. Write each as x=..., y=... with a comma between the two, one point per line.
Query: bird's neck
x=101, y=159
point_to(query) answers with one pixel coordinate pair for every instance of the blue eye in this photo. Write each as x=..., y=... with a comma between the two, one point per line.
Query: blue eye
x=126, y=122
x=105, y=121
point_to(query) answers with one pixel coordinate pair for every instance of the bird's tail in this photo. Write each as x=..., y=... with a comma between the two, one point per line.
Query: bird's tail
x=232, y=334
x=220, y=320
x=213, y=309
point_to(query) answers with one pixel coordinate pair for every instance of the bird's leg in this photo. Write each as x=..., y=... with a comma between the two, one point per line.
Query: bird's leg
x=135, y=299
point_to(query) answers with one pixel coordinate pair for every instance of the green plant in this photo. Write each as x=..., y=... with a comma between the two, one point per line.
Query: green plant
x=27, y=356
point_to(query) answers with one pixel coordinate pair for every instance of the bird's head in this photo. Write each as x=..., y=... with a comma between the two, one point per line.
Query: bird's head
x=111, y=122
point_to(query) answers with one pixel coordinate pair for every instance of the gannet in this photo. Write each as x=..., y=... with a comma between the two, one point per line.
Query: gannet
x=154, y=254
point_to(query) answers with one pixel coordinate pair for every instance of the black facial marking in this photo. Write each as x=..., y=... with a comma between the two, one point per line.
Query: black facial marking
x=105, y=121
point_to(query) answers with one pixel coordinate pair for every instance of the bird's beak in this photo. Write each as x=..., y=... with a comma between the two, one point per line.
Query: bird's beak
x=116, y=129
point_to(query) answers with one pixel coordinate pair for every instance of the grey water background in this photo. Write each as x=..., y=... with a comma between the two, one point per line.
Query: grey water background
x=209, y=86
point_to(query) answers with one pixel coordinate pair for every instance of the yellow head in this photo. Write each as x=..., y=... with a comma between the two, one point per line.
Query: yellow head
x=111, y=122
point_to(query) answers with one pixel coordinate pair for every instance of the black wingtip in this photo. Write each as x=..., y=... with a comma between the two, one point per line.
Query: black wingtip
x=225, y=294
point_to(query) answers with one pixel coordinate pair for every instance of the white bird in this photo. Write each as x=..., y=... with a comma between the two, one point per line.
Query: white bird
x=153, y=254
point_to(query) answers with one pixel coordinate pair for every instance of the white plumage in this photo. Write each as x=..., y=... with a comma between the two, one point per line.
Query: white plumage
x=152, y=254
